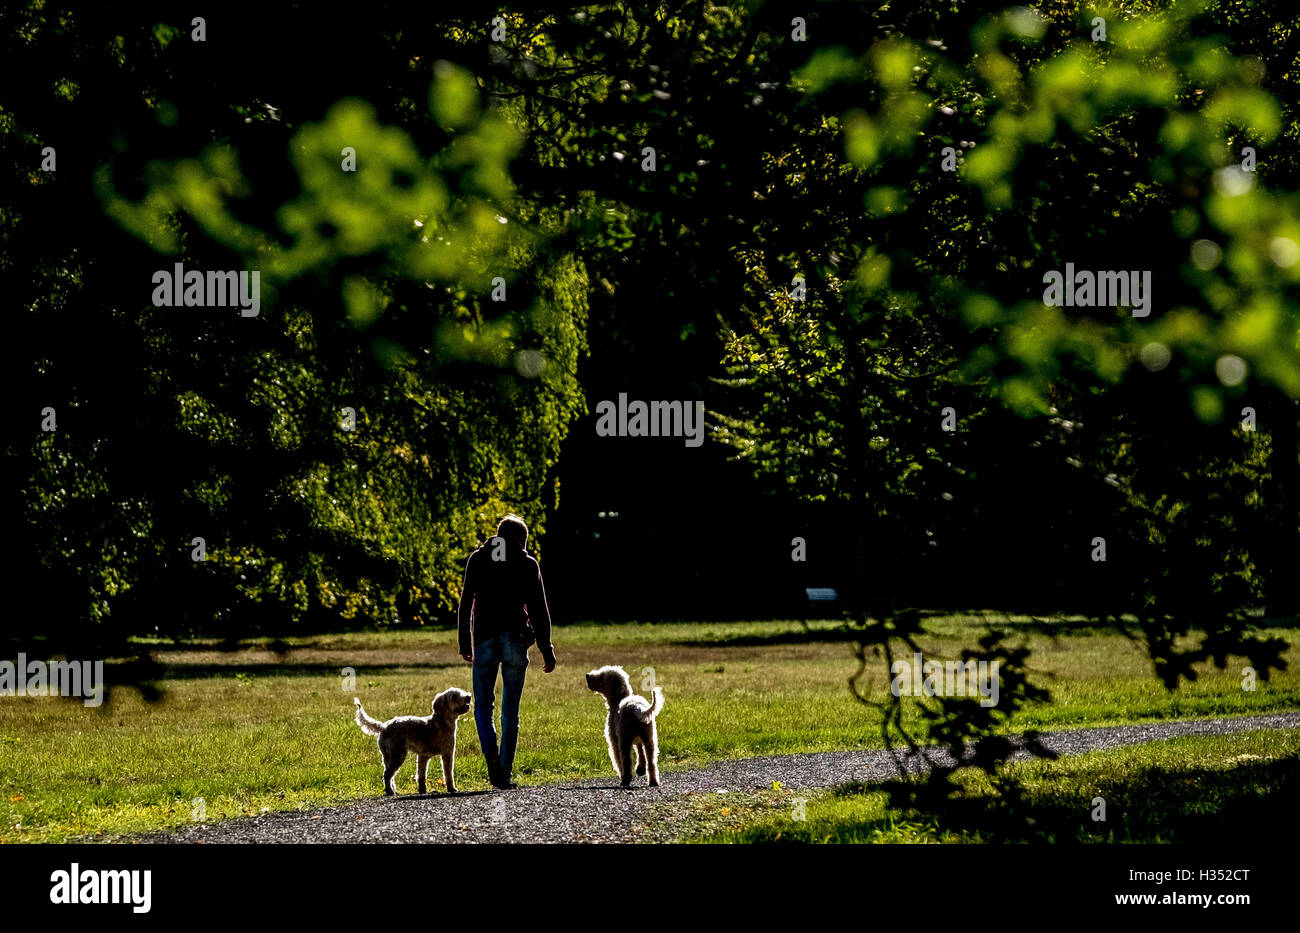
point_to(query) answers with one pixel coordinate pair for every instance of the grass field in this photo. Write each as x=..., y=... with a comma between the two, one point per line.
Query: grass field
x=1195, y=789
x=257, y=728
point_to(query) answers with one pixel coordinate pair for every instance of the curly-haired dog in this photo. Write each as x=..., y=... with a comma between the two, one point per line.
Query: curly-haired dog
x=631, y=723
x=426, y=737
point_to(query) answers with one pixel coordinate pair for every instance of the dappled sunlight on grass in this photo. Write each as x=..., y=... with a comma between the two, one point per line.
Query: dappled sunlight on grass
x=1185, y=790
x=256, y=728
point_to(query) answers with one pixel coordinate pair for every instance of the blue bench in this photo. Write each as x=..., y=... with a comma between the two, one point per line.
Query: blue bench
x=822, y=599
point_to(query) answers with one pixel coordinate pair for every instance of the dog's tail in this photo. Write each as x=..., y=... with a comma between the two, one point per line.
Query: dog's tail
x=655, y=705
x=368, y=726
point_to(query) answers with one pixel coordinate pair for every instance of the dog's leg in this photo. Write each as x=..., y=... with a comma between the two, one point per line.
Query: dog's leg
x=625, y=758
x=611, y=741
x=641, y=755
x=393, y=758
x=652, y=754
x=449, y=770
x=421, y=769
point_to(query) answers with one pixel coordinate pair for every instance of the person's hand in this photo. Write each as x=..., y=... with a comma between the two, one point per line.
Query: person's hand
x=548, y=665
x=468, y=657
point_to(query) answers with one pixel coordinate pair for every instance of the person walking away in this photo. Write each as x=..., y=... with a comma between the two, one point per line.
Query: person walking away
x=502, y=611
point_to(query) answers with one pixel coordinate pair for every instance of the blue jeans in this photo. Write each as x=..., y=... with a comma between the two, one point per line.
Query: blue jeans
x=510, y=653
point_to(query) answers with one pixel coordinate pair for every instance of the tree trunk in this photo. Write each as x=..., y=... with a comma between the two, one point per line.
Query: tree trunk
x=1281, y=555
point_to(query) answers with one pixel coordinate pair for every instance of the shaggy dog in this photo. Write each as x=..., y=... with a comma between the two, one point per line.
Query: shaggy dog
x=631, y=723
x=426, y=737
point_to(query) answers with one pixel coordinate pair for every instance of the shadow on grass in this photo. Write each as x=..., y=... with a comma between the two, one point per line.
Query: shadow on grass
x=847, y=631
x=42, y=647
x=228, y=646
x=234, y=671
x=1201, y=806
x=811, y=636
x=144, y=677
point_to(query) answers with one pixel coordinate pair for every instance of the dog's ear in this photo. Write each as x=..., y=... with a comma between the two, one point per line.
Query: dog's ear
x=440, y=702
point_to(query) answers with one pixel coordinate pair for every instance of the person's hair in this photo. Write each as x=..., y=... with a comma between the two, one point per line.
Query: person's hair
x=513, y=527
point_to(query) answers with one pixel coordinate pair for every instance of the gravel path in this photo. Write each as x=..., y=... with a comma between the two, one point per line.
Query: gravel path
x=600, y=811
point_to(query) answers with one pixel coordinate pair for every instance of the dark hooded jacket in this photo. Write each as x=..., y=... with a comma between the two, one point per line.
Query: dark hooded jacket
x=502, y=596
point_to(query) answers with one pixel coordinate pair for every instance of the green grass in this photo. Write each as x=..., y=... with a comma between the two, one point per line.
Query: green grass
x=1194, y=789
x=269, y=725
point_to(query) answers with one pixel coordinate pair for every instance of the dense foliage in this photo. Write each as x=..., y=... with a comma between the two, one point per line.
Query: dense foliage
x=505, y=155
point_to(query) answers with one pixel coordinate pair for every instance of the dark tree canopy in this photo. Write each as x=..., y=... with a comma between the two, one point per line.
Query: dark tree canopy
x=799, y=258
